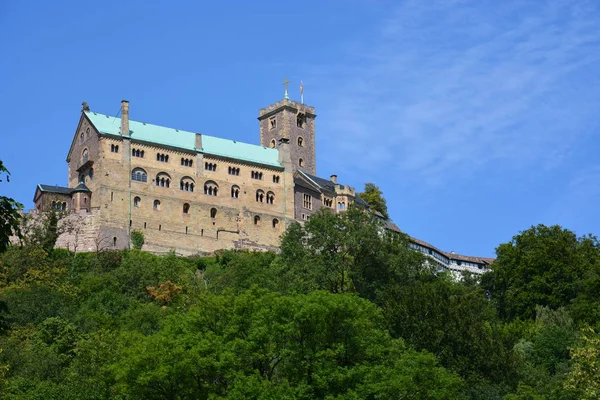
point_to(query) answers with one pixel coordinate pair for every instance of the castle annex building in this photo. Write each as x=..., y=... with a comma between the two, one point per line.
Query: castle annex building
x=196, y=193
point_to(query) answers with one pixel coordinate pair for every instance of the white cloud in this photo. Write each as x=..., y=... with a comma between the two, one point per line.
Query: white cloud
x=450, y=88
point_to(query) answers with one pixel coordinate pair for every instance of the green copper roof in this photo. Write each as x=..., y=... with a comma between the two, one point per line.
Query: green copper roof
x=186, y=140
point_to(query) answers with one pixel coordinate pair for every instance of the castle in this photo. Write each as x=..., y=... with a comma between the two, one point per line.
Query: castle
x=195, y=193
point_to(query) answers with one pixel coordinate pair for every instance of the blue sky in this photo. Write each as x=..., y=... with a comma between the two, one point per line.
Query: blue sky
x=476, y=118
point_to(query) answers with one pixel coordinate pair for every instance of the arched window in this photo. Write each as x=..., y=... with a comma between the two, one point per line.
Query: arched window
x=257, y=220
x=235, y=191
x=64, y=206
x=301, y=120
x=163, y=179
x=213, y=212
x=301, y=162
x=156, y=204
x=270, y=197
x=300, y=142
x=81, y=137
x=275, y=222
x=136, y=201
x=272, y=143
x=211, y=188
x=91, y=173
x=187, y=184
x=84, y=156
x=138, y=174
x=87, y=132
x=114, y=148
x=260, y=196
x=186, y=208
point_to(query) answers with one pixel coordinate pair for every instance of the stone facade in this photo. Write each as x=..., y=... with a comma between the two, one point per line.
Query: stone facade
x=187, y=199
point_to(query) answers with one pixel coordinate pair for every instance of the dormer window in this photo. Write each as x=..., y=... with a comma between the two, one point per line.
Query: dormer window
x=272, y=123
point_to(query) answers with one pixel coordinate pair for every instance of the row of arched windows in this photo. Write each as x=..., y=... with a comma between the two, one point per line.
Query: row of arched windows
x=137, y=153
x=114, y=148
x=210, y=166
x=162, y=157
x=186, y=162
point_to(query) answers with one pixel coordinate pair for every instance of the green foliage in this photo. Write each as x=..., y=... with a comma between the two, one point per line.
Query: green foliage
x=345, y=311
x=10, y=218
x=137, y=239
x=545, y=266
x=584, y=378
x=374, y=197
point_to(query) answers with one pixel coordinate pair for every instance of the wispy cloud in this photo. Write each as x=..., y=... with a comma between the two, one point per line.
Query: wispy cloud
x=449, y=88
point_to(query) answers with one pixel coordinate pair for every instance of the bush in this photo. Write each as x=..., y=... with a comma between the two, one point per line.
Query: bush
x=137, y=239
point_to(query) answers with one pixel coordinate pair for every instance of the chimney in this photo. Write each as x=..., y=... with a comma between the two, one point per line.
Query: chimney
x=124, y=118
x=334, y=179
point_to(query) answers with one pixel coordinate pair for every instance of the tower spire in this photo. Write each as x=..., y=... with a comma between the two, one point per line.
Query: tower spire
x=285, y=87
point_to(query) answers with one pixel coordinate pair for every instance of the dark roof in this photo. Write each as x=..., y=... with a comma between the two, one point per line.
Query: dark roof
x=81, y=188
x=304, y=184
x=454, y=256
x=323, y=183
x=360, y=201
x=55, y=189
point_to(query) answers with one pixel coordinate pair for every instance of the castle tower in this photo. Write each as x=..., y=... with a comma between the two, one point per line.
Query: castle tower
x=291, y=122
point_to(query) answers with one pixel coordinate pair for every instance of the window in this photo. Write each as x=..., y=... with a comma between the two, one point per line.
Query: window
x=272, y=123
x=341, y=206
x=233, y=171
x=115, y=240
x=186, y=208
x=260, y=196
x=301, y=120
x=300, y=142
x=275, y=222
x=114, y=148
x=328, y=202
x=84, y=156
x=256, y=175
x=272, y=144
x=162, y=179
x=139, y=175
x=156, y=204
x=307, y=201
x=186, y=184
x=256, y=220
x=81, y=137
x=64, y=206
x=210, y=166
x=136, y=201
x=211, y=188
x=162, y=157
x=213, y=213
x=186, y=162
x=235, y=192
x=87, y=132
x=270, y=197
x=301, y=162
x=275, y=178
x=81, y=178
x=137, y=153
x=91, y=173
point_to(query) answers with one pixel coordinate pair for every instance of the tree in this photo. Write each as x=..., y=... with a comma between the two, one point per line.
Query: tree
x=9, y=214
x=137, y=239
x=585, y=375
x=344, y=252
x=544, y=266
x=374, y=197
